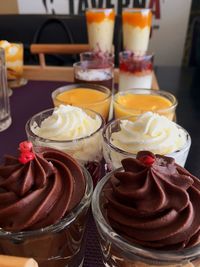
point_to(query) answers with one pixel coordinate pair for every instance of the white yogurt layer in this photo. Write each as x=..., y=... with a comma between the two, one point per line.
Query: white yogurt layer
x=101, y=35
x=93, y=75
x=128, y=80
x=136, y=39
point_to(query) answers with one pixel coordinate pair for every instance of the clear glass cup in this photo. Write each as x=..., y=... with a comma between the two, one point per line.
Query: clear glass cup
x=100, y=28
x=5, y=116
x=94, y=73
x=135, y=71
x=136, y=24
x=61, y=244
x=125, y=103
x=84, y=96
x=113, y=155
x=118, y=252
x=98, y=56
x=86, y=150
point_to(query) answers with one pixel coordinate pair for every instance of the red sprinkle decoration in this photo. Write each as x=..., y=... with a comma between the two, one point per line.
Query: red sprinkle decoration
x=25, y=146
x=147, y=160
x=26, y=152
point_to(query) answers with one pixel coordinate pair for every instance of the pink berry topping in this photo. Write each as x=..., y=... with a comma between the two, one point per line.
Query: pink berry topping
x=26, y=153
x=147, y=160
x=25, y=146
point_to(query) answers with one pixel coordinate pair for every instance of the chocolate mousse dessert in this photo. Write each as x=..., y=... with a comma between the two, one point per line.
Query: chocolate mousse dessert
x=150, y=209
x=45, y=196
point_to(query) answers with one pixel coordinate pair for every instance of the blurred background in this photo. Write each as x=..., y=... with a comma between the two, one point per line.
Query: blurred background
x=175, y=32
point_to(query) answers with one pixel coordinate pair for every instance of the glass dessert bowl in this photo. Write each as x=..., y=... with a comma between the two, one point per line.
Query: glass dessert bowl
x=142, y=216
x=137, y=101
x=124, y=138
x=44, y=215
x=94, y=97
x=73, y=130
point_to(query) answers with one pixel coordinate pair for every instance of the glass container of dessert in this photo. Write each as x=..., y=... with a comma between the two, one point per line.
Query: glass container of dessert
x=147, y=214
x=137, y=101
x=94, y=72
x=100, y=28
x=135, y=71
x=136, y=29
x=44, y=208
x=89, y=96
x=123, y=138
x=72, y=130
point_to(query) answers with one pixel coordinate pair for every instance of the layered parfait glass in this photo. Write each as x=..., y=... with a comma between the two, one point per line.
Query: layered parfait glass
x=135, y=71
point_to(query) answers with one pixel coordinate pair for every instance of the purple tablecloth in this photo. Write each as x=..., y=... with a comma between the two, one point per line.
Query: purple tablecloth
x=25, y=102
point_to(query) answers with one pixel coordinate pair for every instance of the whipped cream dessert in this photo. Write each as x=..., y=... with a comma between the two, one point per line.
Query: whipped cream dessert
x=136, y=29
x=45, y=196
x=14, y=58
x=100, y=28
x=135, y=72
x=151, y=132
x=71, y=130
x=162, y=199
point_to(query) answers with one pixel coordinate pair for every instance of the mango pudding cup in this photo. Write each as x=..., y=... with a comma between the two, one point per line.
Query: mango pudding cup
x=94, y=97
x=137, y=101
x=14, y=53
x=86, y=150
x=123, y=138
x=100, y=28
x=136, y=29
x=47, y=221
x=94, y=72
x=135, y=71
x=120, y=250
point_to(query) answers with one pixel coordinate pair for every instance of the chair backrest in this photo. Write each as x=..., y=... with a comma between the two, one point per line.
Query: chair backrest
x=194, y=57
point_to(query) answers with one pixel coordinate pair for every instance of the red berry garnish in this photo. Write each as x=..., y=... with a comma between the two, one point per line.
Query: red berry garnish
x=25, y=146
x=147, y=160
x=26, y=156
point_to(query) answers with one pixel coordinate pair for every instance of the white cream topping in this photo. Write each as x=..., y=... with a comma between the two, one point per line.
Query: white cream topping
x=67, y=124
x=93, y=75
x=149, y=132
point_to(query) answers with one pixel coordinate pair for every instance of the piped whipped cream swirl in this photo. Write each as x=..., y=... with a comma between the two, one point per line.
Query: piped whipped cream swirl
x=67, y=123
x=151, y=132
x=154, y=205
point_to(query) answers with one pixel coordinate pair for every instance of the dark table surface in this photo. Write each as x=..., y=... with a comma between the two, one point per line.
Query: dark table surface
x=34, y=97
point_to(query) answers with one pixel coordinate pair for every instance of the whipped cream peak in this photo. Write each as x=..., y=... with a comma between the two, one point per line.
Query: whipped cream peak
x=67, y=123
x=150, y=131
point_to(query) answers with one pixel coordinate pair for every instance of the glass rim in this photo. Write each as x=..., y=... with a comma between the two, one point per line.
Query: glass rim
x=82, y=86
x=62, y=223
x=160, y=93
x=135, y=9
x=133, y=55
x=42, y=139
x=100, y=9
x=94, y=53
x=80, y=64
x=125, y=244
x=128, y=154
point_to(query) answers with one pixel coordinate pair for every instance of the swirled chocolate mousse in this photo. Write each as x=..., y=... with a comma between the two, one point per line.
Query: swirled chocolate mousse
x=154, y=202
x=44, y=201
x=38, y=192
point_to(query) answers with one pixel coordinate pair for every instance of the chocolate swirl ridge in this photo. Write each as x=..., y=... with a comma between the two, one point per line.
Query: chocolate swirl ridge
x=40, y=192
x=155, y=206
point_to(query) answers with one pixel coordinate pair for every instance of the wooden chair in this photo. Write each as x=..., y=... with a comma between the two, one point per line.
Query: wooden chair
x=58, y=73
